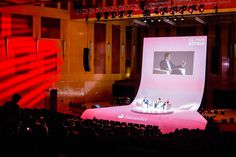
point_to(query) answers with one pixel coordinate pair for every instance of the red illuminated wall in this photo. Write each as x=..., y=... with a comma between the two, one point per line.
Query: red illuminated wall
x=21, y=25
x=28, y=67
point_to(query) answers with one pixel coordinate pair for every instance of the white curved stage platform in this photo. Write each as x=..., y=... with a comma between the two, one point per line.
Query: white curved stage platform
x=181, y=92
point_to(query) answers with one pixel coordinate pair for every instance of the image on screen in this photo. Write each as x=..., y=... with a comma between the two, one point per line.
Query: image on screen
x=174, y=62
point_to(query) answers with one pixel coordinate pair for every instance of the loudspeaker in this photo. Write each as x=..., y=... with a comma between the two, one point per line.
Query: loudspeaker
x=215, y=60
x=86, y=59
x=53, y=100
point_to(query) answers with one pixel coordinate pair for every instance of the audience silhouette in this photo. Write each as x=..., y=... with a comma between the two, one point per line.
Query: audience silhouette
x=11, y=115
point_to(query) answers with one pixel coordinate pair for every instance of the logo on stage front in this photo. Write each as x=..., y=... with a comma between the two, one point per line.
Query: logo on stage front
x=123, y=116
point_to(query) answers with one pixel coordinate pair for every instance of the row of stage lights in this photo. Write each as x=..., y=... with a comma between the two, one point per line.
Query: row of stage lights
x=147, y=12
x=152, y=20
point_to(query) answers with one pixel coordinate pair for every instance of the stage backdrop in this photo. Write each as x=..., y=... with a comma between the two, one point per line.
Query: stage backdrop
x=183, y=87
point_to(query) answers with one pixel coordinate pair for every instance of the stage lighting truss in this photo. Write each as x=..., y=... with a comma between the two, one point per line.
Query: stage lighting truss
x=165, y=9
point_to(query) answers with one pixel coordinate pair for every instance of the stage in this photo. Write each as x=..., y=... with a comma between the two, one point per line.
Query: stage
x=169, y=101
x=167, y=123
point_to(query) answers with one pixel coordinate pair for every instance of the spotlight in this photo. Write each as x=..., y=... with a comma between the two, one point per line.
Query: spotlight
x=172, y=12
x=201, y=8
x=192, y=8
x=146, y=12
x=175, y=9
x=113, y=14
x=175, y=19
x=159, y=20
x=182, y=9
x=182, y=19
x=152, y=20
x=121, y=14
x=145, y=21
x=106, y=15
x=162, y=11
x=165, y=10
x=130, y=13
x=156, y=10
x=98, y=16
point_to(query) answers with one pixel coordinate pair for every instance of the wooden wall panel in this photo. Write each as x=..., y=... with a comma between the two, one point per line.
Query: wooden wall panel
x=128, y=48
x=99, y=48
x=50, y=27
x=115, y=49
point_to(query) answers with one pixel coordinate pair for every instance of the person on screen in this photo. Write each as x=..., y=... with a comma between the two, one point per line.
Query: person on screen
x=166, y=64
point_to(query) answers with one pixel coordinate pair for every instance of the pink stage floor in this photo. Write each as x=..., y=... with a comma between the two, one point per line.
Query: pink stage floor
x=167, y=122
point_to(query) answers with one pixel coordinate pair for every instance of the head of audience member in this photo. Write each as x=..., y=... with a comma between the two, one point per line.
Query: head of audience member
x=16, y=97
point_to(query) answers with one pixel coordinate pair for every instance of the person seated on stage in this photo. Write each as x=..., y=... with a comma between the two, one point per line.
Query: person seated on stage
x=146, y=101
x=157, y=102
x=166, y=64
x=168, y=104
x=164, y=105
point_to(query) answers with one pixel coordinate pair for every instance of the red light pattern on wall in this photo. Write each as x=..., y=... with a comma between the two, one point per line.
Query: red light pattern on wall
x=28, y=67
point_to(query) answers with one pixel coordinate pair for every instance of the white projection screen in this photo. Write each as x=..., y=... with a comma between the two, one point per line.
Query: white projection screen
x=171, y=87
